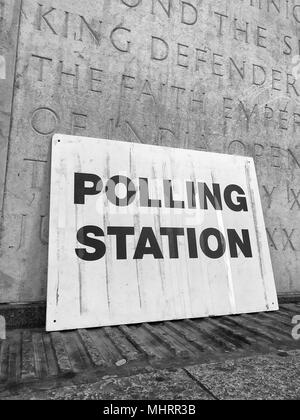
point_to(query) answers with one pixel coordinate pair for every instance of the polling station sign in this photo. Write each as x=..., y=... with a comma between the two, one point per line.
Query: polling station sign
x=142, y=233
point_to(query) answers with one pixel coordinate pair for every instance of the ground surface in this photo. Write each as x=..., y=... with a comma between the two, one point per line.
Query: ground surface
x=240, y=357
x=268, y=377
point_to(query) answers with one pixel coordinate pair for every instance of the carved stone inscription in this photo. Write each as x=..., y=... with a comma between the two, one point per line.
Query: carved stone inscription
x=215, y=75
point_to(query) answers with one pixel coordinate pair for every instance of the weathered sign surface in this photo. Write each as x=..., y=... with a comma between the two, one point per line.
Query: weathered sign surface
x=212, y=75
x=145, y=233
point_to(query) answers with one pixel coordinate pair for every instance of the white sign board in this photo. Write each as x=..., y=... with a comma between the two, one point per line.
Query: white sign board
x=142, y=233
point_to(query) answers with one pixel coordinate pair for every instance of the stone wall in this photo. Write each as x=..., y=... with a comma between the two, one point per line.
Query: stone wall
x=215, y=75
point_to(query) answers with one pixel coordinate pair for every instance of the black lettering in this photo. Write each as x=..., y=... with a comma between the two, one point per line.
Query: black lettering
x=147, y=235
x=191, y=194
x=84, y=239
x=146, y=201
x=111, y=191
x=172, y=234
x=121, y=234
x=204, y=243
x=81, y=190
x=192, y=242
x=205, y=194
x=169, y=197
x=235, y=241
x=241, y=199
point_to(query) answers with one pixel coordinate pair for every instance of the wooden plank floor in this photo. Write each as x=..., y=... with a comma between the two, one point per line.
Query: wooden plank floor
x=29, y=356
